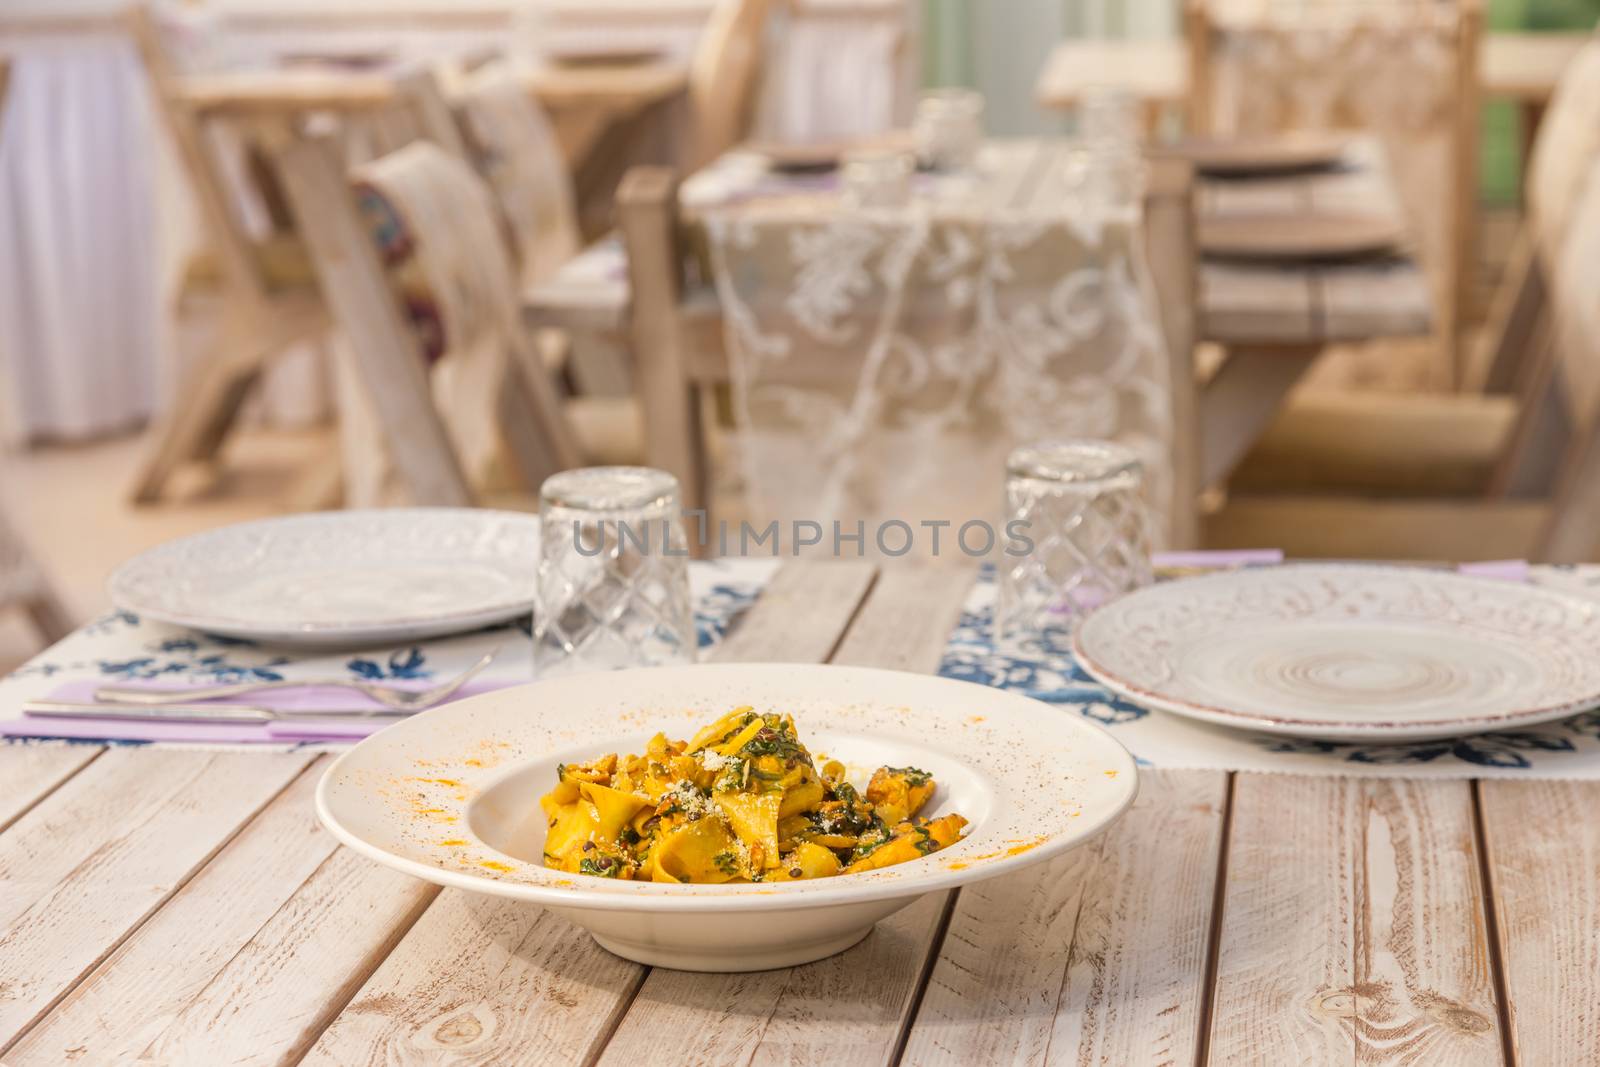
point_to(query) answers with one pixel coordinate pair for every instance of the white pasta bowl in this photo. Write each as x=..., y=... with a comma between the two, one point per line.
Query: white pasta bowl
x=451, y=795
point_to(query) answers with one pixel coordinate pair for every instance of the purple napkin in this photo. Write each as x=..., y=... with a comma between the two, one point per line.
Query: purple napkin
x=1511, y=570
x=1241, y=557
x=306, y=698
x=318, y=698
x=120, y=730
x=325, y=730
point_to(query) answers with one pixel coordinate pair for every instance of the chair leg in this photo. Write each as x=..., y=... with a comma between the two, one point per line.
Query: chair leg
x=1573, y=532
x=319, y=488
x=674, y=438
x=49, y=616
x=204, y=411
x=24, y=583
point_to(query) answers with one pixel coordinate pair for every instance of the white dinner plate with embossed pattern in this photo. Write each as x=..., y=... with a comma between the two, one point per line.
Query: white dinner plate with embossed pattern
x=1349, y=652
x=341, y=578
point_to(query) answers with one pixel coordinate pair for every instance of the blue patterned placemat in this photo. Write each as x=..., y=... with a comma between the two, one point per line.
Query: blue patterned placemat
x=121, y=647
x=1048, y=672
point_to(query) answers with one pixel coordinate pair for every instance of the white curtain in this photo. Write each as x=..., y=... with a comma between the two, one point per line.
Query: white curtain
x=836, y=76
x=84, y=276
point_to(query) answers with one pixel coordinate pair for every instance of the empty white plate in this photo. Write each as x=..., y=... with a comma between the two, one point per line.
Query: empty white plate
x=341, y=577
x=1349, y=652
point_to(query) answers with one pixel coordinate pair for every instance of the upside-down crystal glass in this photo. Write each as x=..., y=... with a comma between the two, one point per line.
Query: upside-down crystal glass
x=613, y=573
x=1082, y=506
x=877, y=179
x=948, y=129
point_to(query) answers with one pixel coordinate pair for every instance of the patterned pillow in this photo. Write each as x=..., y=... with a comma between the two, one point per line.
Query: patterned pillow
x=398, y=251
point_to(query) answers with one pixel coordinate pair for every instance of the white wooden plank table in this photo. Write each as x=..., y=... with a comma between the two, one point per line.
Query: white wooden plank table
x=183, y=907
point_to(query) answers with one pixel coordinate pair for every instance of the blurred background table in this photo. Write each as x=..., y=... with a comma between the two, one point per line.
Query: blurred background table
x=583, y=100
x=1273, y=318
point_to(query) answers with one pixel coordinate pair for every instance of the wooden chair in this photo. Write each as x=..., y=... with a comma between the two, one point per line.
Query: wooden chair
x=1454, y=445
x=724, y=77
x=386, y=355
x=1543, y=501
x=1297, y=66
x=724, y=84
x=491, y=122
x=269, y=301
x=677, y=327
x=1568, y=139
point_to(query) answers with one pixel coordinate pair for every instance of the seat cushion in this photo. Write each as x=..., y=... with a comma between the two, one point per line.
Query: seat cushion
x=1380, y=444
x=1349, y=527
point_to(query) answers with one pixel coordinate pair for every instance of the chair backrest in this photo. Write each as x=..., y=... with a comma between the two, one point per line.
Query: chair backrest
x=412, y=266
x=1567, y=142
x=1519, y=334
x=724, y=76
x=490, y=121
x=236, y=251
x=1573, y=533
x=513, y=145
x=420, y=90
x=1406, y=73
x=1516, y=335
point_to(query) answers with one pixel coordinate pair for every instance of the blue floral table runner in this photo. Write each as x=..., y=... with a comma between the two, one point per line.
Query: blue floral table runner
x=121, y=647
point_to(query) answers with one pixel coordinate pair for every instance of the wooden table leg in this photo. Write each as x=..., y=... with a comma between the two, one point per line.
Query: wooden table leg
x=210, y=396
x=197, y=424
x=1529, y=114
x=25, y=580
x=1241, y=400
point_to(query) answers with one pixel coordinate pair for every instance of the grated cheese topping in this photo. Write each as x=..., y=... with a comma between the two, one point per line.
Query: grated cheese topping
x=694, y=803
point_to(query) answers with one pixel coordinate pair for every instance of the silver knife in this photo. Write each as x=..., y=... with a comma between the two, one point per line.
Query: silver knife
x=239, y=714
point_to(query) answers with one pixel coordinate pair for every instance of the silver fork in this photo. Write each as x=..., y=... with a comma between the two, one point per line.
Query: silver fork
x=387, y=695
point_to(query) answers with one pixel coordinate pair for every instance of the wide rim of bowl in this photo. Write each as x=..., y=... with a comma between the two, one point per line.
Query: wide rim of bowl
x=123, y=594
x=915, y=878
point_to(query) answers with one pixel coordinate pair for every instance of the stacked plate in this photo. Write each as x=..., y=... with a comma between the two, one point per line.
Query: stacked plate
x=1349, y=652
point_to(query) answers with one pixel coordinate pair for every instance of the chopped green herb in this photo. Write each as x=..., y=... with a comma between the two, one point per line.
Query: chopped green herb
x=870, y=844
x=732, y=777
x=604, y=867
x=912, y=776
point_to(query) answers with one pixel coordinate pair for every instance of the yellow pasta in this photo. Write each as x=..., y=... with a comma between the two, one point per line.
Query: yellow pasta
x=742, y=801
